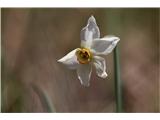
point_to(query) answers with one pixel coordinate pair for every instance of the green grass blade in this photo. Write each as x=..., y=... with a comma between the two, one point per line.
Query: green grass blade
x=45, y=100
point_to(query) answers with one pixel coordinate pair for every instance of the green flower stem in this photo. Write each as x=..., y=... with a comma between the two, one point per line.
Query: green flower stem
x=118, y=82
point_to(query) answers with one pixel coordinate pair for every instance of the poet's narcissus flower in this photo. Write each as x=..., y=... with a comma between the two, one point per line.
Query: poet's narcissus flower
x=82, y=59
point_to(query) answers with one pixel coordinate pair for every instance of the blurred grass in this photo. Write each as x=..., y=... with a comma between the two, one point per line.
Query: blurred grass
x=12, y=94
x=44, y=98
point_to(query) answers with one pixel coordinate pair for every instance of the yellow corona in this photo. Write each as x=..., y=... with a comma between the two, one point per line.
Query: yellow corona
x=84, y=55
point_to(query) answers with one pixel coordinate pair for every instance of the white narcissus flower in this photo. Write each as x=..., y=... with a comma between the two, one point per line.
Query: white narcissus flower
x=87, y=55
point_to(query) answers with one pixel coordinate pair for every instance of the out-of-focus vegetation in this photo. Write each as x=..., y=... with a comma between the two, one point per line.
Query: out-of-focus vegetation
x=34, y=39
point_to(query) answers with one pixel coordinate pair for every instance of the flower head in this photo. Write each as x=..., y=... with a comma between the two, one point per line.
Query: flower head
x=92, y=46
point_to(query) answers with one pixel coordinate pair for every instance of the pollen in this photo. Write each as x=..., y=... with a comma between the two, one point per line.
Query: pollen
x=84, y=55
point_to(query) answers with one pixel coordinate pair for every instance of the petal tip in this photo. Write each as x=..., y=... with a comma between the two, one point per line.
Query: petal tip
x=83, y=83
x=104, y=75
x=92, y=19
x=117, y=39
x=60, y=60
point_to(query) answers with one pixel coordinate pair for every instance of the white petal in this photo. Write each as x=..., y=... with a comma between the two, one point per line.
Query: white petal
x=84, y=73
x=100, y=65
x=90, y=32
x=70, y=60
x=105, y=45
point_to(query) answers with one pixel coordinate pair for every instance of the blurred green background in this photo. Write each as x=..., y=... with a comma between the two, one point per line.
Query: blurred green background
x=33, y=39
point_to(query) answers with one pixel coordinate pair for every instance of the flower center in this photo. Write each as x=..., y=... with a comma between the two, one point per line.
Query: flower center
x=84, y=55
